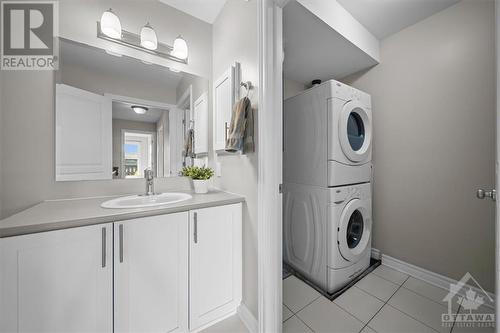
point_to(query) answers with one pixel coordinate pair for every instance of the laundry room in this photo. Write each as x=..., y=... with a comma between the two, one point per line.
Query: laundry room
x=389, y=117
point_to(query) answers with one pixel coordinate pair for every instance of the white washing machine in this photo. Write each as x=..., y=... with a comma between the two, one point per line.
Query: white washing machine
x=327, y=232
x=328, y=136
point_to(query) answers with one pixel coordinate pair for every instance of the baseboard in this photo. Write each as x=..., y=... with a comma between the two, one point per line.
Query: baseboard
x=435, y=279
x=376, y=254
x=248, y=318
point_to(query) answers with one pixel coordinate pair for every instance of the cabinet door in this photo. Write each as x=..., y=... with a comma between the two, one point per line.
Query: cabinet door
x=83, y=135
x=223, y=103
x=58, y=281
x=200, y=115
x=215, y=263
x=151, y=274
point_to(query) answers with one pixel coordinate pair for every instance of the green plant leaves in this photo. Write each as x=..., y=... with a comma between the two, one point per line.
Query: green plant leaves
x=197, y=173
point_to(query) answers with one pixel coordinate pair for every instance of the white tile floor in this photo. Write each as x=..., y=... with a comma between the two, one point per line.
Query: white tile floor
x=385, y=301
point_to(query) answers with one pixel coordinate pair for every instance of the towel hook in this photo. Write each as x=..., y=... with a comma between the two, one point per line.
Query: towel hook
x=247, y=85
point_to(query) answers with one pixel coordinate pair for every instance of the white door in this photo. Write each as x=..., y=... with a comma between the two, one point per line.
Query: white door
x=355, y=131
x=83, y=135
x=200, y=117
x=58, y=281
x=224, y=100
x=215, y=263
x=151, y=274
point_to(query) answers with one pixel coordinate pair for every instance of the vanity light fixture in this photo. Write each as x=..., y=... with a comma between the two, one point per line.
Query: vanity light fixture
x=148, y=37
x=109, y=28
x=139, y=109
x=180, y=48
x=110, y=25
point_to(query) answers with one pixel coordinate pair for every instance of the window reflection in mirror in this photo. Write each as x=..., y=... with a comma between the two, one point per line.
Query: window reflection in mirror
x=117, y=116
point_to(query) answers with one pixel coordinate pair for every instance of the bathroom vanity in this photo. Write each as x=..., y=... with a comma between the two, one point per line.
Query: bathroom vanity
x=72, y=266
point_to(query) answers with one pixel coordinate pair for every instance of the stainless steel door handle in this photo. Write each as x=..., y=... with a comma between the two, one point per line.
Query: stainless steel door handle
x=120, y=231
x=103, y=249
x=481, y=194
x=195, y=232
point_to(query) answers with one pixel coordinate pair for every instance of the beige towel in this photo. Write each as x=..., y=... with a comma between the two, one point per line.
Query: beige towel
x=240, y=134
x=189, y=143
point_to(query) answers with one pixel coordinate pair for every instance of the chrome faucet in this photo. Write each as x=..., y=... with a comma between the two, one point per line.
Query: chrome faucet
x=150, y=185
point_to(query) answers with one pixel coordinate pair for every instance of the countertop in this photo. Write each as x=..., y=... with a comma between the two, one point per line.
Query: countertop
x=62, y=214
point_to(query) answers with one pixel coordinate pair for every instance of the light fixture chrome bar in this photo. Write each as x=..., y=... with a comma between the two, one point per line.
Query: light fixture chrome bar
x=132, y=40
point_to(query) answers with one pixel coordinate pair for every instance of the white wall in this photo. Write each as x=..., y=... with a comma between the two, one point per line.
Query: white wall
x=28, y=104
x=434, y=130
x=235, y=39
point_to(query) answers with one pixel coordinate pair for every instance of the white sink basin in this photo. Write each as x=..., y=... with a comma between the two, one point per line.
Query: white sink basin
x=140, y=201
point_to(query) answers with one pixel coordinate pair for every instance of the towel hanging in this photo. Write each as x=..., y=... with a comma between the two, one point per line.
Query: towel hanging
x=240, y=135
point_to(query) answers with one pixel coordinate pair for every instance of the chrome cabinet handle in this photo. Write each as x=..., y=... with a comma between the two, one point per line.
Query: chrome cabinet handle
x=195, y=233
x=481, y=194
x=103, y=249
x=120, y=231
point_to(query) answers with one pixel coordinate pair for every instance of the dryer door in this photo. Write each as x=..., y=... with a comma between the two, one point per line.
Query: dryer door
x=355, y=131
x=354, y=230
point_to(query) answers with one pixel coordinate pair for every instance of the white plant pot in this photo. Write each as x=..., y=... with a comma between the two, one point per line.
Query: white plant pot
x=200, y=186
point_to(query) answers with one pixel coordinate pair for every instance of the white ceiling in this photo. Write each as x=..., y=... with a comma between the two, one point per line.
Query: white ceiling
x=123, y=110
x=205, y=10
x=386, y=17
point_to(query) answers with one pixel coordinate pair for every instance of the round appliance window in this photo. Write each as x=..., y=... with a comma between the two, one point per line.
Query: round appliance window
x=355, y=131
x=355, y=229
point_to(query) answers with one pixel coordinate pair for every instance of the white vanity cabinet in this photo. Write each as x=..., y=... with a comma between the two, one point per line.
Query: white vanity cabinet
x=151, y=274
x=215, y=263
x=175, y=272
x=58, y=281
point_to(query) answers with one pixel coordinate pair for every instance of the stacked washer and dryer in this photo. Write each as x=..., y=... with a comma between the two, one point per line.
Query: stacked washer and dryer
x=327, y=210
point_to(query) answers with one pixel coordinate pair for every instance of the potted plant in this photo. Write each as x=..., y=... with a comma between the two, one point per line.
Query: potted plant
x=200, y=177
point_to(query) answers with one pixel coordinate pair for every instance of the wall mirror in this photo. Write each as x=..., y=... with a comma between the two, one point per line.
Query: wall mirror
x=117, y=116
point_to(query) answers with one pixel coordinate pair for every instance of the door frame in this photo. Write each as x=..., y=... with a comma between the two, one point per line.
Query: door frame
x=154, y=156
x=270, y=171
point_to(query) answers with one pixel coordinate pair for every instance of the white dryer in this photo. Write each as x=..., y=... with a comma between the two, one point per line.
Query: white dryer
x=328, y=136
x=327, y=232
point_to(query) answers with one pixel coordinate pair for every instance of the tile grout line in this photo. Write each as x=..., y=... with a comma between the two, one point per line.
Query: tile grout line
x=303, y=322
x=402, y=285
x=385, y=303
x=458, y=311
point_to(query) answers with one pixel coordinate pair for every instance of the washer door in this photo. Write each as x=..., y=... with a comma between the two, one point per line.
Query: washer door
x=355, y=131
x=354, y=230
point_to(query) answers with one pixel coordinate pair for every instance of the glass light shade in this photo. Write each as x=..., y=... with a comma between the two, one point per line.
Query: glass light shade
x=110, y=25
x=148, y=38
x=139, y=109
x=180, y=49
